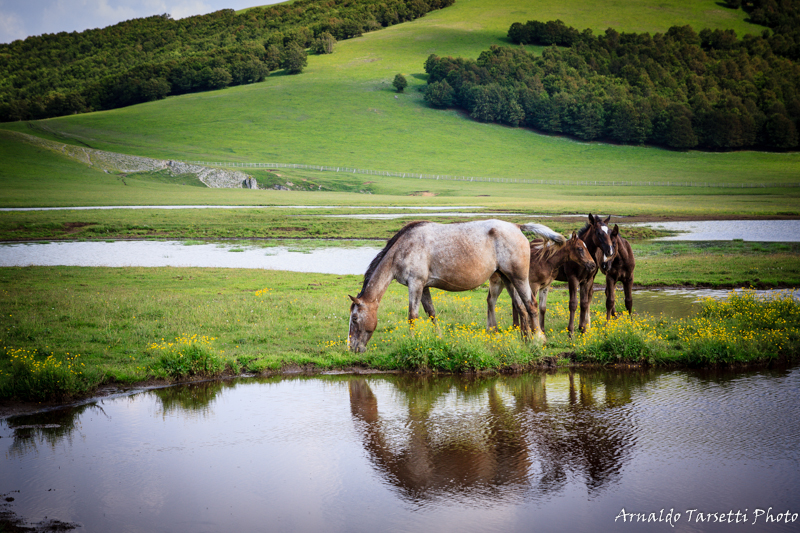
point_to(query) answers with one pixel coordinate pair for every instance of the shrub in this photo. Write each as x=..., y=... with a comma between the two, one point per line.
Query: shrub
x=400, y=83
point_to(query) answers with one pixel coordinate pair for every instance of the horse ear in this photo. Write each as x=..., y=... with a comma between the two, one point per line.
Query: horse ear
x=606, y=220
x=574, y=236
x=591, y=219
x=352, y=298
x=615, y=231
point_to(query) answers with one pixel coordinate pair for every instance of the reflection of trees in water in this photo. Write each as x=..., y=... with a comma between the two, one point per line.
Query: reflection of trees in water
x=47, y=428
x=54, y=426
x=198, y=397
x=192, y=397
x=515, y=437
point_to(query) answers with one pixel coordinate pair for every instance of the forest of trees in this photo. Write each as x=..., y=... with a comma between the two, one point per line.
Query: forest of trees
x=149, y=58
x=681, y=89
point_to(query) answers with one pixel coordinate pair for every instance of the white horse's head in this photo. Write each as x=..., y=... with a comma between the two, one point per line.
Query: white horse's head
x=363, y=321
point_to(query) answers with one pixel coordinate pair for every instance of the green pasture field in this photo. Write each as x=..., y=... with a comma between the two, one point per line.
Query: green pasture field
x=67, y=330
x=342, y=110
x=31, y=176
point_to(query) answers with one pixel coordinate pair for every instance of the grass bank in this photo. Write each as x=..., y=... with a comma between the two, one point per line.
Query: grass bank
x=65, y=331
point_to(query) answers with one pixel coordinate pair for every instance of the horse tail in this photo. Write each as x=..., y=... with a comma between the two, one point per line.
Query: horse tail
x=543, y=231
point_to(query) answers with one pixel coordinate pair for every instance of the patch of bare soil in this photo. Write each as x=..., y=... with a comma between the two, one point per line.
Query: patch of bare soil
x=74, y=227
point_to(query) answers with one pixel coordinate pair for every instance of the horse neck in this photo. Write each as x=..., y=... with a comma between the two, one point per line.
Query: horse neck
x=621, y=246
x=380, y=280
x=588, y=237
x=558, y=257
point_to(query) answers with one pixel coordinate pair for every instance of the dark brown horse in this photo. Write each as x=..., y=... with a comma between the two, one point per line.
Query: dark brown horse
x=597, y=237
x=619, y=269
x=546, y=258
x=451, y=257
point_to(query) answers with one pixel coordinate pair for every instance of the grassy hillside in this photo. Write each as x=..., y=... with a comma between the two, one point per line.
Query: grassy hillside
x=343, y=110
x=31, y=176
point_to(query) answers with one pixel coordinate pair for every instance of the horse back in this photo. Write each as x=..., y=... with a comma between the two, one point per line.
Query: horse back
x=461, y=256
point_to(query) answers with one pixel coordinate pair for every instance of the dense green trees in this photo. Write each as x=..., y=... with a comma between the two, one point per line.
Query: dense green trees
x=680, y=89
x=149, y=58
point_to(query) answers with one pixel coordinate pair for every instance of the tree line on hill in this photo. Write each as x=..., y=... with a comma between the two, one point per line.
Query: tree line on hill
x=679, y=89
x=149, y=58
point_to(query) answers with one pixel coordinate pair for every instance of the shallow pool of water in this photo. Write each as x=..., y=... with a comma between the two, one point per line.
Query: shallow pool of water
x=533, y=452
x=325, y=260
x=681, y=303
x=727, y=230
x=85, y=208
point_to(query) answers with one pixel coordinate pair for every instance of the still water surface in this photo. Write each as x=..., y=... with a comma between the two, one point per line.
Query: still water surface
x=533, y=452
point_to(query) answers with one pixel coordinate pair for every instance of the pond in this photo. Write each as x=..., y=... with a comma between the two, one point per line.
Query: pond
x=333, y=259
x=89, y=208
x=727, y=230
x=566, y=451
x=681, y=303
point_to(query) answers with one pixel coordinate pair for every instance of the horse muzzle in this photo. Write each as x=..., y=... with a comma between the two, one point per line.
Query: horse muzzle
x=358, y=343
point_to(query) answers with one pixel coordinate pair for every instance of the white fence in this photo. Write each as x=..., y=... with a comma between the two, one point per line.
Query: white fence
x=414, y=175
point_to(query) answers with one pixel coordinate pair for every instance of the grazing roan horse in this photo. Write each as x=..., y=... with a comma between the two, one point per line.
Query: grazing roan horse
x=620, y=268
x=597, y=237
x=451, y=257
x=546, y=258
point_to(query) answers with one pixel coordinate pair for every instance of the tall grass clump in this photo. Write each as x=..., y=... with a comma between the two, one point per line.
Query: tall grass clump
x=745, y=327
x=32, y=375
x=425, y=345
x=636, y=339
x=186, y=356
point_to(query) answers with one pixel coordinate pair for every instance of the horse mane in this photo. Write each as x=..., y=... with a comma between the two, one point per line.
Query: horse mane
x=544, y=249
x=583, y=231
x=378, y=258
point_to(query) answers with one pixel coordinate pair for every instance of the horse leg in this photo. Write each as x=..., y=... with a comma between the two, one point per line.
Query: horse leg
x=519, y=304
x=574, y=286
x=627, y=285
x=427, y=304
x=415, y=290
x=542, y=305
x=587, y=289
x=529, y=305
x=495, y=289
x=516, y=317
x=611, y=297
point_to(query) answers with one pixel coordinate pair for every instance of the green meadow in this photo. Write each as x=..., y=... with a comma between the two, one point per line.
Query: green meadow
x=342, y=110
x=65, y=331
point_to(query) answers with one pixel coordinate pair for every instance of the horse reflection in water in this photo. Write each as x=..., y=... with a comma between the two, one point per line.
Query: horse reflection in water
x=521, y=448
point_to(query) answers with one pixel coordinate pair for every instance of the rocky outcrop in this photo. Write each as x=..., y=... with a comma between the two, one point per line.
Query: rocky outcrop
x=114, y=162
